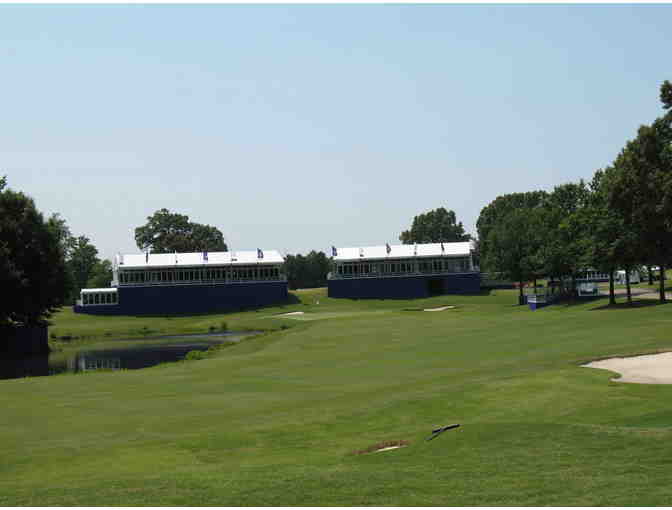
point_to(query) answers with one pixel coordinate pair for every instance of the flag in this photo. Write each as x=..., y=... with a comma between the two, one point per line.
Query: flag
x=333, y=251
x=260, y=254
x=387, y=247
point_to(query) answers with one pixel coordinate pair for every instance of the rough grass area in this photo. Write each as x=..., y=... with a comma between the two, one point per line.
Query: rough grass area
x=274, y=420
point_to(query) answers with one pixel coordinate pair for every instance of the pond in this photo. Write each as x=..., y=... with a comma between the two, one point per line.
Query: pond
x=116, y=354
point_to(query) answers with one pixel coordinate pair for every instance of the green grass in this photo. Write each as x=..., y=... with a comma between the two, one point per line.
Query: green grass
x=275, y=420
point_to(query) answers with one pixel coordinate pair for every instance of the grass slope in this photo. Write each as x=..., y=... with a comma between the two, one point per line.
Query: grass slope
x=274, y=420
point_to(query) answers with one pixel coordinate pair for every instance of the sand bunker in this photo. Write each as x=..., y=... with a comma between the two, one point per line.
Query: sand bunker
x=439, y=309
x=387, y=448
x=383, y=447
x=647, y=369
x=290, y=313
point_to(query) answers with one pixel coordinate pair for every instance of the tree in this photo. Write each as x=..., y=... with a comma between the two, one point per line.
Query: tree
x=436, y=226
x=307, y=272
x=642, y=189
x=514, y=246
x=32, y=267
x=66, y=244
x=565, y=246
x=167, y=232
x=65, y=239
x=101, y=275
x=496, y=210
x=605, y=226
x=83, y=260
x=666, y=95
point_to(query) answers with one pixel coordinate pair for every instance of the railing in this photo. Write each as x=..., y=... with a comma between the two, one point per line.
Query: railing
x=332, y=276
x=198, y=282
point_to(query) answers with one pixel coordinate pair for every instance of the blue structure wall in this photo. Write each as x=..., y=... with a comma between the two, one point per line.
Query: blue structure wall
x=404, y=287
x=190, y=299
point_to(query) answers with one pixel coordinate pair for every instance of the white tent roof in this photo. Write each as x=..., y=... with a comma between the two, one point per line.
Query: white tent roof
x=215, y=258
x=461, y=249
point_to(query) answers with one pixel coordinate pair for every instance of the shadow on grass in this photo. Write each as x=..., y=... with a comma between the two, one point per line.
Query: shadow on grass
x=570, y=302
x=482, y=292
x=636, y=303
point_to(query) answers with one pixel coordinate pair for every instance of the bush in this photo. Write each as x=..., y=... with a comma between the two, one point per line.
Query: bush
x=195, y=355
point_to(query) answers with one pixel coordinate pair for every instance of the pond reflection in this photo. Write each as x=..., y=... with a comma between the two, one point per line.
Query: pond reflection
x=113, y=355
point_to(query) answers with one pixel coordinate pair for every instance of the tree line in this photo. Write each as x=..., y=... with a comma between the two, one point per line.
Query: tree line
x=622, y=218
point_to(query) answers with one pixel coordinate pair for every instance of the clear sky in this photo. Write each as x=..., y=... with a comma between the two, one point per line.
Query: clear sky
x=298, y=127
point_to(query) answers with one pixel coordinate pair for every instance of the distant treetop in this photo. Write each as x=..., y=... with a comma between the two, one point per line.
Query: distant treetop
x=436, y=226
x=166, y=232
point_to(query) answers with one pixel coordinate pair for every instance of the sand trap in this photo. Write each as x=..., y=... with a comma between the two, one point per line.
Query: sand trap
x=383, y=447
x=290, y=313
x=439, y=309
x=647, y=369
x=388, y=448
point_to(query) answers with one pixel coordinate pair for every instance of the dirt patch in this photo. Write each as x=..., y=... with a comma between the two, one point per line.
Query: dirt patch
x=383, y=447
x=290, y=313
x=647, y=369
x=439, y=309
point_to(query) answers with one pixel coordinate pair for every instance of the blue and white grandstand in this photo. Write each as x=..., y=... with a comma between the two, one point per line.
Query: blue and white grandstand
x=187, y=283
x=404, y=271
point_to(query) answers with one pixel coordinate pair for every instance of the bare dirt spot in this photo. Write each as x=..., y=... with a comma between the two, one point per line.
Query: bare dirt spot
x=646, y=369
x=439, y=309
x=383, y=446
x=289, y=313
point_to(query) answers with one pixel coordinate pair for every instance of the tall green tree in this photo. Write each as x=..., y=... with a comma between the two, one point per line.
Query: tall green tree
x=566, y=241
x=514, y=244
x=435, y=226
x=642, y=190
x=166, y=232
x=305, y=272
x=32, y=267
x=605, y=227
x=83, y=260
x=66, y=244
x=101, y=275
x=498, y=209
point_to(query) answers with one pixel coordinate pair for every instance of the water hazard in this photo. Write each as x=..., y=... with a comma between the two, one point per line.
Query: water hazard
x=127, y=354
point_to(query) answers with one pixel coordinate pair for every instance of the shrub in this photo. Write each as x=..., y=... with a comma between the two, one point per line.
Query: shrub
x=195, y=355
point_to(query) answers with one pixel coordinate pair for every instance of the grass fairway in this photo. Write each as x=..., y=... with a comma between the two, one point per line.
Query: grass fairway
x=275, y=419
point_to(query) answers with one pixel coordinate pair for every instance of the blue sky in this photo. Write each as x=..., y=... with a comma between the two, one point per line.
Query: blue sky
x=298, y=127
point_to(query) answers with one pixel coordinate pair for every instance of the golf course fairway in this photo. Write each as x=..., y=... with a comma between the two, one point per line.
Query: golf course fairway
x=276, y=420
